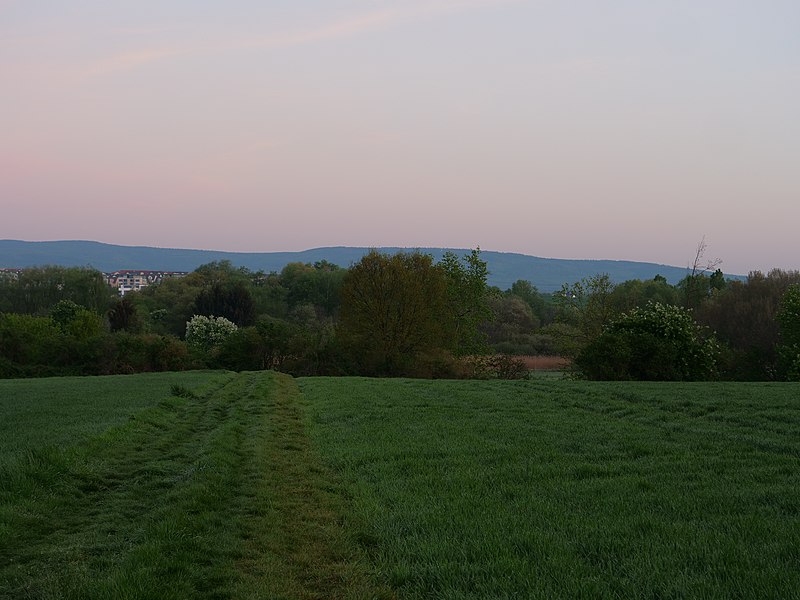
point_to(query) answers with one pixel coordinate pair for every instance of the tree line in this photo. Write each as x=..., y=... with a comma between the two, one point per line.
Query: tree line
x=400, y=315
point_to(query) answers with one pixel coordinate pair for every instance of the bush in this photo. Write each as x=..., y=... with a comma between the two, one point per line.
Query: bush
x=435, y=364
x=207, y=333
x=138, y=353
x=29, y=340
x=656, y=342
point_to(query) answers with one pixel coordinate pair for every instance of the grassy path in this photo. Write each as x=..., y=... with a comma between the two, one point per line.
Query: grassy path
x=217, y=496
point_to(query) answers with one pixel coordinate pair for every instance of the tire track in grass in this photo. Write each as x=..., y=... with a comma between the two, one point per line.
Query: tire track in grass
x=213, y=497
x=121, y=515
x=297, y=546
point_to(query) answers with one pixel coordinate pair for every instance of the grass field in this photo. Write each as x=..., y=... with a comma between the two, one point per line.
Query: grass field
x=262, y=486
x=557, y=489
x=60, y=411
x=216, y=496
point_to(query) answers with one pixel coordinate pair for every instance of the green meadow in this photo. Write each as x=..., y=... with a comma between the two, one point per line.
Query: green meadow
x=257, y=485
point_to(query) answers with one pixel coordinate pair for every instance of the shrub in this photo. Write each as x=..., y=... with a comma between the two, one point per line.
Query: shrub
x=137, y=353
x=654, y=342
x=29, y=340
x=207, y=333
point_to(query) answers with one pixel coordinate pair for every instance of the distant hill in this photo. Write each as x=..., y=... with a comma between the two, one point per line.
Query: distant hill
x=547, y=274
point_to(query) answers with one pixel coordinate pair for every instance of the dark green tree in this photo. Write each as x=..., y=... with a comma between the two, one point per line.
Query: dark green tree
x=513, y=318
x=64, y=312
x=35, y=291
x=123, y=315
x=584, y=308
x=789, y=321
x=634, y=292
x=526, y=291
x=394, y=310
x=231, y=300
x=745, y=318
x=468, y=299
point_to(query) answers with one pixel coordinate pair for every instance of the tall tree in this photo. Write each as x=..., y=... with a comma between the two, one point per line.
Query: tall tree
x=745, y=317
x=586, y=307
x=35, y=291
x=394, y=308
x=231, y=300
x=468, y=299
x=697, y=286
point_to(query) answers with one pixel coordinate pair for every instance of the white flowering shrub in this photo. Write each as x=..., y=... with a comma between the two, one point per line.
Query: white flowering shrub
x=654, y=342
x=207, y=333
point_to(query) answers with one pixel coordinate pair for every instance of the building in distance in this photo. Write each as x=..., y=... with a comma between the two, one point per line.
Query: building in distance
x=128, y=280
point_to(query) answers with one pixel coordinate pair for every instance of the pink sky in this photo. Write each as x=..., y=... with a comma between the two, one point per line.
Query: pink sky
x=579, y=129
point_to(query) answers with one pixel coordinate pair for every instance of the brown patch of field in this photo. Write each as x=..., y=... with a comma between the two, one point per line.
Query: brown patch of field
x=545, y=363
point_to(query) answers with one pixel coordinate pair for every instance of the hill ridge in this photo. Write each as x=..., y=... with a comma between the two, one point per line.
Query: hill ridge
x=547, y=274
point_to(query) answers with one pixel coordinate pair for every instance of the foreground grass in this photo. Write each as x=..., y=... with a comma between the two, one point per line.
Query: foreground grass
x=217, y=496
x=553, y=489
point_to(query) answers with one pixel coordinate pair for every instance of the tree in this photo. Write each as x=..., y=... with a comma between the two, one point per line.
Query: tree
x=634, y=292
x=789, y=321
x=231, y=300
x=745, y=317
x=123, y=315
x=35, y=291
x=468, y=299
x=789, y=315
x=656, y=342
x=395, y=309
x=77, y=321
x=585, y=307
x=513, y=318
x=528, y=292
x=64, y=312
x=267, y=345
x=167, y=307
x=697, y=286
x=27, y=340
x=318, y=284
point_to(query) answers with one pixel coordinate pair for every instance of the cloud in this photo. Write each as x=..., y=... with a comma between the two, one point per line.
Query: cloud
x=374, y=20
x=343, y=28
x=371, y=21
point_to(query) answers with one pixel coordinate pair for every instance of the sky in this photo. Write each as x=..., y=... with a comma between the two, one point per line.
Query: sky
x=607, y=129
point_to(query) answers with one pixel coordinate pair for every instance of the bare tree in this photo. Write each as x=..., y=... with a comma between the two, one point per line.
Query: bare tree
x=695, y=284
x=699, y=267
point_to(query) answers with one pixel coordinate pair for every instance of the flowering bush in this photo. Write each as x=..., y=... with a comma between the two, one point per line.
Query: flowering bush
x=654, y=342
x=207, y=333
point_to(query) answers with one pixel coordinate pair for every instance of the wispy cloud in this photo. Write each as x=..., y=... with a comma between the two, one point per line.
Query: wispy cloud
x=377, y=19
x=337, y=29
x=343, y=28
